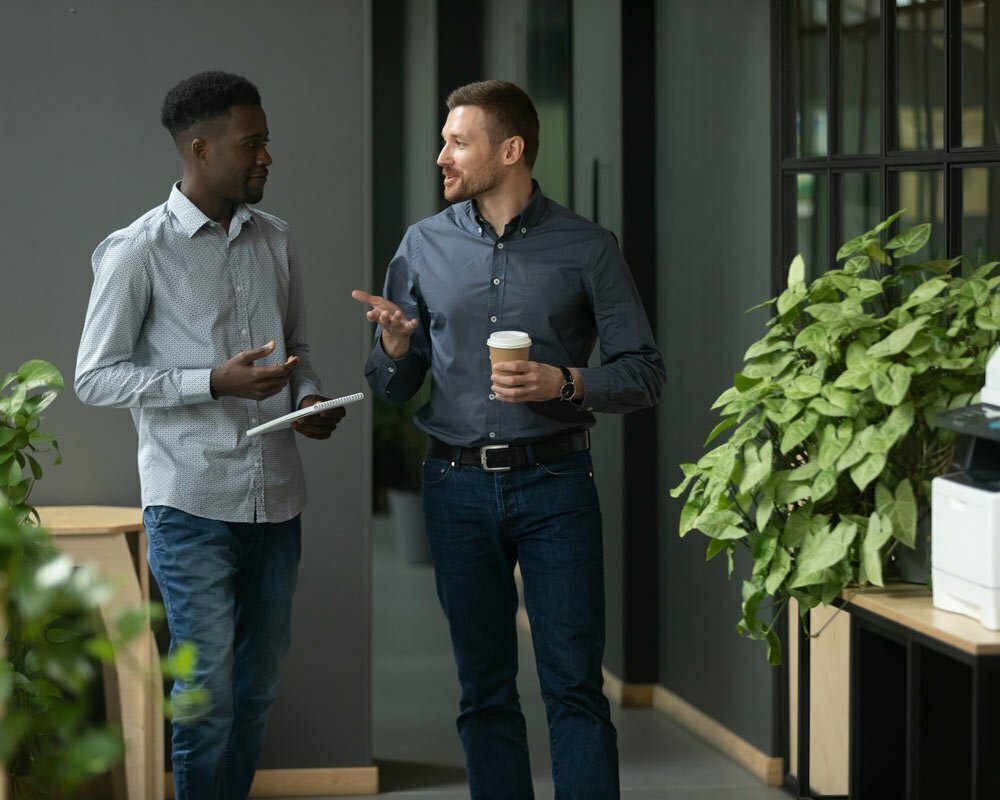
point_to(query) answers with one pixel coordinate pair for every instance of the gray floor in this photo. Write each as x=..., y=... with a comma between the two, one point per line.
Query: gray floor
x=415, y=697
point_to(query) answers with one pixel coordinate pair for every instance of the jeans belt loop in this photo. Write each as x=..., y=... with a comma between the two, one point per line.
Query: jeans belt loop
x=484, y=451
x=529, y=449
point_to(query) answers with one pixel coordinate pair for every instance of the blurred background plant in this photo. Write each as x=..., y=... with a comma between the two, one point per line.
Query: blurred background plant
x=53, y=735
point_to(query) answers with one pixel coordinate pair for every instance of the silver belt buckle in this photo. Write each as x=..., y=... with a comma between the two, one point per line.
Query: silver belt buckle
x=482, y=457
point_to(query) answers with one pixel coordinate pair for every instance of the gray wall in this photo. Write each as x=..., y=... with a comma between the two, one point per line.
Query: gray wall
x=85, y=155
x=713, y=205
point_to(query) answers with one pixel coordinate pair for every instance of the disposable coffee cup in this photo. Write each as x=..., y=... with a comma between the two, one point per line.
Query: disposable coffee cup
x=509, y=346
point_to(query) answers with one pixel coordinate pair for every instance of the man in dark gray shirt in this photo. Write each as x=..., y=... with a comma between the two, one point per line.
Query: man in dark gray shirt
x=508, y=478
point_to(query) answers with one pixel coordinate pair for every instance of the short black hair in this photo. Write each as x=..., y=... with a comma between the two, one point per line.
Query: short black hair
x=205, y=96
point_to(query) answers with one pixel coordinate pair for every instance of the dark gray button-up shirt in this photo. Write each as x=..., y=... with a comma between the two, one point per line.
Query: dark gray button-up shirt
x=174, y=296
x=553, y=274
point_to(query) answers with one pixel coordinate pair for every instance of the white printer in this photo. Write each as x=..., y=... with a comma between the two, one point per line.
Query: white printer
x=965, y=513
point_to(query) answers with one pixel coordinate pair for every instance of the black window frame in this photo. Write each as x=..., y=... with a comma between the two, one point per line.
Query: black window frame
x=890, y=160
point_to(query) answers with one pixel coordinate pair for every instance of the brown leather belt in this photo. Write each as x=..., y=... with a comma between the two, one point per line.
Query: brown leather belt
x=505, y=457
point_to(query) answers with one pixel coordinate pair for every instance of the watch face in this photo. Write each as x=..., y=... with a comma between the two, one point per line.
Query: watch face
x=567, y=391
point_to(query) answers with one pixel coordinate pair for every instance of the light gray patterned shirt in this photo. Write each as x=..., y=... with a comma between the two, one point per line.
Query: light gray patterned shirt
x=174, y=296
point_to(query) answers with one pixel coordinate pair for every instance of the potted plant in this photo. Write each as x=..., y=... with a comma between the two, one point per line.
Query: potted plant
x=831, y=449
x=398, y=462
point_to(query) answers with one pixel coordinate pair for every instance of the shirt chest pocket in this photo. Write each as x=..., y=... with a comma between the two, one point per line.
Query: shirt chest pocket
x=520, y=299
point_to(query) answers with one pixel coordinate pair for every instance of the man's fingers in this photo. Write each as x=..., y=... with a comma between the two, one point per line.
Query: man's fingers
x=512, y=366
x=249, y=356
x=364, y=297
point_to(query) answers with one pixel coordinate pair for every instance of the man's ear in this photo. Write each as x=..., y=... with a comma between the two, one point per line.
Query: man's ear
x=198, y=148
x=513, y=150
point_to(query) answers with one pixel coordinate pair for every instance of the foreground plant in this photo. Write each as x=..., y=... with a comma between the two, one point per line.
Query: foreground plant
x=832, y=444
x=52, y=642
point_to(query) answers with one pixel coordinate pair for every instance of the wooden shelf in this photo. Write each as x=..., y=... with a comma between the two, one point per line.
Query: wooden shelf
x=89, y=520
x=911, y=606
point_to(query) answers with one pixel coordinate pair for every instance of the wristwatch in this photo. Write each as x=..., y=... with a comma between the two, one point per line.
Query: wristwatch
x=568, y=389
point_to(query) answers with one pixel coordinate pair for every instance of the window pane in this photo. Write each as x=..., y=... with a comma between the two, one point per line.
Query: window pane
x=812, y=199
x=920, y=84
x=861, y=207
x=980, y=73
x=806, y=77
x=922, y=195
x=981, y=215
x=860, y=75
x=549, y=68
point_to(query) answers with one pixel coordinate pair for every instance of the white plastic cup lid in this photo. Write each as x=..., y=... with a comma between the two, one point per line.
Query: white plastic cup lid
x=509, y=340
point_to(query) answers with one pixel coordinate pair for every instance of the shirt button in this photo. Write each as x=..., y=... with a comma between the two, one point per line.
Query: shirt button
x=244, y=331
x=493, y=319
x=499, y=245
x=524, y=230
x=493, y=435
x=496, y=281
x=239, y=289
x=392, y=369
x=253, y=420
x=480, y=230
x=492, y=396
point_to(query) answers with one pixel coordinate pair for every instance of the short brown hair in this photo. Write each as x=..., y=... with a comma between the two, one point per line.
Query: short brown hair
x=509, y=112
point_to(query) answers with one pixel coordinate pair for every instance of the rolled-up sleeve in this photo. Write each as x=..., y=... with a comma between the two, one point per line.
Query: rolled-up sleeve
x=632, y=374
x=119, y=300
x=397, y=380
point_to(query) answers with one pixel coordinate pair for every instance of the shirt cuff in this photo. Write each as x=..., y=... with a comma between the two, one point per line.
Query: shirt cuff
x=596, y=389
x=301, y=389
x=387, y=369
x=196, y=386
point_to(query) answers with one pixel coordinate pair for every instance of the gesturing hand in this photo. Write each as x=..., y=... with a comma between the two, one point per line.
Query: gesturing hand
x=396, y=328
x=525, y=381
x=238, y=377
x=321, y=425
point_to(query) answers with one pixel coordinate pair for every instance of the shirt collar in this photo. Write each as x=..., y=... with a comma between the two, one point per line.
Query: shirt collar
x=192, y=218
x=530, y=215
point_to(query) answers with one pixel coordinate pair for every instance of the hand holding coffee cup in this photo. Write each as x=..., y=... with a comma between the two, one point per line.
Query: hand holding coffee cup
x=514, y=378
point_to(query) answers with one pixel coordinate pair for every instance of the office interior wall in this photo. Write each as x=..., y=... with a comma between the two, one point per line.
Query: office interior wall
x=85, y=155
x=714, y=229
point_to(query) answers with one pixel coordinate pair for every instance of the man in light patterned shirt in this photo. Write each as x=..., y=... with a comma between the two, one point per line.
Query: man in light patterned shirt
x=196, y=325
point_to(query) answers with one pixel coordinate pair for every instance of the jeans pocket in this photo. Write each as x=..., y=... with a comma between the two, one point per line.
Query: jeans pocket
x=436, y=470
x=574, y=465
x=152, y=516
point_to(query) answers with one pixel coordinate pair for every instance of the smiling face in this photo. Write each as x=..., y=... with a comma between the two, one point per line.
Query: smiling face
x=471, y=165
x=234, y=160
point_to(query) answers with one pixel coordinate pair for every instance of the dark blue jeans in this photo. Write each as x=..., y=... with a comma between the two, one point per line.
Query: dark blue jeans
x=227, y=587
x=547, y=519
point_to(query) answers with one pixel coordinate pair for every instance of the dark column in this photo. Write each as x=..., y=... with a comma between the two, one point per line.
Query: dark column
x=641, y=604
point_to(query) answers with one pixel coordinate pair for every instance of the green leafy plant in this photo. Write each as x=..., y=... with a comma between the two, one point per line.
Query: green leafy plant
x=54, y=645
x=20, y=438
x=832, y=444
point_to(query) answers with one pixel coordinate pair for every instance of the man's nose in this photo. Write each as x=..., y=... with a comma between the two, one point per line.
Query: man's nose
x=264, y=157
x=444, y=157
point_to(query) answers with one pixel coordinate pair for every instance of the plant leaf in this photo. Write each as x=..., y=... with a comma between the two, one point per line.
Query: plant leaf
x=910, y=241
x=33, y=374
x=868, y=470
x=799, y=431
x=890, y=386
x=898, y=340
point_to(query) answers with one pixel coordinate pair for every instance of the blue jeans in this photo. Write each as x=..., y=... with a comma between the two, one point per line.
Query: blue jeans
x=227, y=587
x=547, y=519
